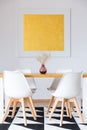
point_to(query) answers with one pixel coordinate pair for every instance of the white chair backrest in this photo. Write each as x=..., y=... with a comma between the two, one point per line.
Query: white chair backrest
x=24, y=71
x=16, y=84
x=64, y=71
x=69, y=86
x=31, y=81
x=56, y=80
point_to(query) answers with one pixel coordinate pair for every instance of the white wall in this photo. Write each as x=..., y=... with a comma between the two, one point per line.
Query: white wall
x=8, y=38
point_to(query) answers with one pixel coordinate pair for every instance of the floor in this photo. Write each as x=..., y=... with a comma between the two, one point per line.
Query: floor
x=42, y=122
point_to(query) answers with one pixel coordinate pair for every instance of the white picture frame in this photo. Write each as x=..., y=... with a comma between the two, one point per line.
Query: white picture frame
x=65, y=11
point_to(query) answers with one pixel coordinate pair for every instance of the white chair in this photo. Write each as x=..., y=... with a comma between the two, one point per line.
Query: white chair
x=68, y=89
x=18, y=90
x=54, y=85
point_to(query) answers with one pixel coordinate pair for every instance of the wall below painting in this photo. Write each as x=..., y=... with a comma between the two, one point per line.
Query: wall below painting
x=9, y=35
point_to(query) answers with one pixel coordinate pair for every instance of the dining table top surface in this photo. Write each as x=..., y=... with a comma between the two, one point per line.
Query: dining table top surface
x=47, y=75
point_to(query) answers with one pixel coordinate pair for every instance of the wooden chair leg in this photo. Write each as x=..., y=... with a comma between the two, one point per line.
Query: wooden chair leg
x=54, y=107
x=78, y=110
x=61, y=118
x=23, y=108
x=50, y=103
x=7, y=110
x=81, y=102
x=70, y=109
x=67, y=109
x=30, y=106
x=14, y=108
x=33, y=106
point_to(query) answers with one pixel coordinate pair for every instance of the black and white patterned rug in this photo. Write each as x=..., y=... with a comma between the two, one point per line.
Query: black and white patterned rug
x=42, y=122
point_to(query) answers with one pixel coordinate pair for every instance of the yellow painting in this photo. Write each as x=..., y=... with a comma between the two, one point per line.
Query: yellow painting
x=43, y=32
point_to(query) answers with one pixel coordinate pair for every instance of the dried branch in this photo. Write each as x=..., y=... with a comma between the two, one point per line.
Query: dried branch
x=42, y=58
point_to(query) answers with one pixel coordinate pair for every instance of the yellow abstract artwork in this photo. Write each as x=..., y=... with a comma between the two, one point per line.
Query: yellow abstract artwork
x=43, y=32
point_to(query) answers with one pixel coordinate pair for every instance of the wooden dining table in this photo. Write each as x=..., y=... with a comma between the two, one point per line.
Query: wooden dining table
x=50, y=75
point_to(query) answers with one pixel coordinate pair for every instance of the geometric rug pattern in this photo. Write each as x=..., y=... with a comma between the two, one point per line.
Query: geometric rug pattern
x=42, y=122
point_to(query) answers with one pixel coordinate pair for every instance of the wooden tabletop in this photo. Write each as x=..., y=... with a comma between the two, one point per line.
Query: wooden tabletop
x=47, y=75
